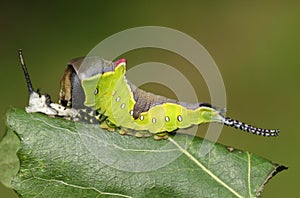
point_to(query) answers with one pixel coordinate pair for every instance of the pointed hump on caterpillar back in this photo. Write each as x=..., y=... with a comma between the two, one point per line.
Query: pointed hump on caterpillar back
x=120, y=62
x=120, y=66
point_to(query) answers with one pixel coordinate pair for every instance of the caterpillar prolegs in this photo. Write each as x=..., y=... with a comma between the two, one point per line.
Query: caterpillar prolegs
x=95, y=90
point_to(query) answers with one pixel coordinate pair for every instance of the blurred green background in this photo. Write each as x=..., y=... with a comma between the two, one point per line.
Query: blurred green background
x=255, y=45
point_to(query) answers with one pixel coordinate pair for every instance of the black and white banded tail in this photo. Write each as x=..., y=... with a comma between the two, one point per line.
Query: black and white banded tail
x=246, y=127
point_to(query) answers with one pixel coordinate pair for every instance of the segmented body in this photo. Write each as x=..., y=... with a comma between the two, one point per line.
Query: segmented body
x=125, y=105
x=129, y=107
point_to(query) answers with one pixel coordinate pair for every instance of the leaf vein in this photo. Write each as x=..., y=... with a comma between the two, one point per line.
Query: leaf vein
x=82, y=187
x=249, y=174
x=204, y=168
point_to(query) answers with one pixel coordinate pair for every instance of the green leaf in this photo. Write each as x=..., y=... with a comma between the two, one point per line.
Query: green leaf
x=9, y=162
x=60, y=158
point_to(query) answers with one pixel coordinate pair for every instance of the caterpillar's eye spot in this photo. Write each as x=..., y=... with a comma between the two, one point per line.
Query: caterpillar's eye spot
x=167, y=118
x=141, y=117
x=153, y=120
x=122, y=105
x=179, y=118
x=118, y=99
x=96, y=91
x=131, y=112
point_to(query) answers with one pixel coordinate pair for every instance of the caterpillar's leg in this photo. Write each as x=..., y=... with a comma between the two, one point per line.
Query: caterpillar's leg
x=161, y=136
x=138, y=134
x=141, y=134
x=123, y=131
x=108, y=126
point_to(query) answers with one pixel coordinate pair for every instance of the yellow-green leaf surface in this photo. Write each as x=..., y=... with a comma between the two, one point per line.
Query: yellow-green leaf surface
x=61, y=158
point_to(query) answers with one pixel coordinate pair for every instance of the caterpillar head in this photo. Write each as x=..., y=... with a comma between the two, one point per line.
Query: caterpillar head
x=80, y=79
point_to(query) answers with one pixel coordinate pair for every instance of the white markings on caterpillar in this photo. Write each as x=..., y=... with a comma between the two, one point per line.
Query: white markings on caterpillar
x=141, y=117
x=179, y=118
x=122, y=105
x=153, y=120
x=96, y=91
x=131, y=112
x=118, y=99
x=167, y=118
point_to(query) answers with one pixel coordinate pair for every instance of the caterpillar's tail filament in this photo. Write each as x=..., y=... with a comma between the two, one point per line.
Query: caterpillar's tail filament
x=246, y=127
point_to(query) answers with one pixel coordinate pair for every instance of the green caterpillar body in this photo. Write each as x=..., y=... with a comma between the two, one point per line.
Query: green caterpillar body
x=102, y=86
x=126, y=106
